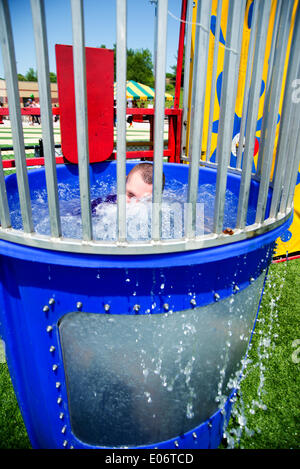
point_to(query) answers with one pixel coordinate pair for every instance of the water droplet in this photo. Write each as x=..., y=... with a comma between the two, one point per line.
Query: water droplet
x=189, y=411
x=242, y=420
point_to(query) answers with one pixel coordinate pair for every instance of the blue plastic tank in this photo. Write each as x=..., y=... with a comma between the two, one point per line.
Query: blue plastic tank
x=139, y=351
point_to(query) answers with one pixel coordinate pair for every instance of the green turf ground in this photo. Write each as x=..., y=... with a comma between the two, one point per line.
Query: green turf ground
x=268, y=407
x=138, y=132
x=270, y=389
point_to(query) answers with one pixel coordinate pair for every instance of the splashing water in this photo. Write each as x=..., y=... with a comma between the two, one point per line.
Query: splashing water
x=266, y=339
x=160, y=378
x=138, y=215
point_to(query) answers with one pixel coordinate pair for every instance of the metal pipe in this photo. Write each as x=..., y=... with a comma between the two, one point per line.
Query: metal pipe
x=40, y=35
x=293, y=179
x=292, y=163
x=295, y=173
x=197, y=112
x=269, y=74
x=9, y=62
x=121, y=117
x=159, y=115
x=4, y=208
x=252, y=111
x=214, y=79
x=289, y=122
x=79, y=59
x=180, y=54
x=257, y=6
x=187, y=62
x=270, y=121
x=236, y=13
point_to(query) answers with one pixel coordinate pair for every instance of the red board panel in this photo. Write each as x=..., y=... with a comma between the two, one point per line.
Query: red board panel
x=100, y=102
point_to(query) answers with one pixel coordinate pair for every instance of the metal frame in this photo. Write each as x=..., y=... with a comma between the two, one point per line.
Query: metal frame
x=287, y=154
x=39, y=21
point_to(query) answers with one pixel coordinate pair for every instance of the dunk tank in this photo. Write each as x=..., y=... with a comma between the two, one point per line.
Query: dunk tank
x=127, y=327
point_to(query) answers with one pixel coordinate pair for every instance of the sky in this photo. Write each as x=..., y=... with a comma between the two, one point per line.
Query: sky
x=100, y=28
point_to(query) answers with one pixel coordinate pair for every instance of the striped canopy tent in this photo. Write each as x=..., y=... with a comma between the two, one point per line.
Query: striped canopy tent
x=137, y=90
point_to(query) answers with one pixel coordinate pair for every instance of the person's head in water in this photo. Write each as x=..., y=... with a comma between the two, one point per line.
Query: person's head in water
x=139, y=182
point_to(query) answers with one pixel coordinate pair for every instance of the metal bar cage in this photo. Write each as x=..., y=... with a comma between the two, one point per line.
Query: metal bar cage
x=275, y=171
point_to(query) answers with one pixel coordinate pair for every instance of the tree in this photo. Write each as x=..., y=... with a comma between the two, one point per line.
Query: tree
x=31, y=75
x=53, y=78
x=174, y=68
x=139, y=65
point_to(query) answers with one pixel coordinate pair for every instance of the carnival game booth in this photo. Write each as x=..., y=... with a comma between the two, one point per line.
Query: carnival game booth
x=128, y=327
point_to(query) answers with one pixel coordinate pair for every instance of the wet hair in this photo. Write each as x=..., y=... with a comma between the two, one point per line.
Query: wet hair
x=146, y=171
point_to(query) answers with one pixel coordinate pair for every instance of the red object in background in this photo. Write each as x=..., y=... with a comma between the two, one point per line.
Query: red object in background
x=138, y=118
x=256, y=147
x=180, y=54
x=100, y=102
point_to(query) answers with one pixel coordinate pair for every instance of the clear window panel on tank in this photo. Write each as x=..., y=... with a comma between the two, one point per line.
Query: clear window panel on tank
x=135, y=380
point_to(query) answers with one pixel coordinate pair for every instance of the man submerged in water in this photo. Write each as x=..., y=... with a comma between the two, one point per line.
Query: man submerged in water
x=139, y=184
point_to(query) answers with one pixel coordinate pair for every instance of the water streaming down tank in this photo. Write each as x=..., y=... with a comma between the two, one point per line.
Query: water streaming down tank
x=128, y=327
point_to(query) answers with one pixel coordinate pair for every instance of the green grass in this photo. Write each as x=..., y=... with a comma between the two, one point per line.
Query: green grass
x=269, y=394
x=268, y=403
x=13, y=434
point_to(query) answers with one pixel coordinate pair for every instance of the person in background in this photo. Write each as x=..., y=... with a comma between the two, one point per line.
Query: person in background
x=130, y=116
x=1, y=117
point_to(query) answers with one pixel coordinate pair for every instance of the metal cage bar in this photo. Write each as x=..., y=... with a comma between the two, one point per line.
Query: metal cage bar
x=289, y=122
x=81, y=117
x=197, y=111
x=162, y=15
x=273, y=44
x=4, y=208
x=269, y=74
x=252, y=111
x=9, y=62
x=287, y=156
x=272, y=107
x=296, y=162
x=228, y=96
x=292, y=163
x=121, y=117
x=39, y=27
x=295, y=170
x=187, y=63
x=214, y=78
x=257, y=6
